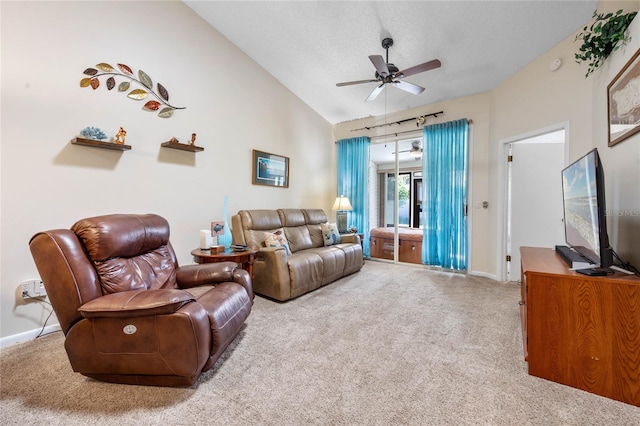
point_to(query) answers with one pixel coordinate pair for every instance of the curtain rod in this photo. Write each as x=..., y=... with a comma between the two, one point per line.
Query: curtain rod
x=421, y=119
x=406, y=131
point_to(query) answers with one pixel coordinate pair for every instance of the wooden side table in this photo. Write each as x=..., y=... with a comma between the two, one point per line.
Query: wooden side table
x=244, y=258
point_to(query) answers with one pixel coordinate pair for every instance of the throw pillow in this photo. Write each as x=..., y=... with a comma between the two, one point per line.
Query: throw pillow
x=330, y=234
x=276, y=239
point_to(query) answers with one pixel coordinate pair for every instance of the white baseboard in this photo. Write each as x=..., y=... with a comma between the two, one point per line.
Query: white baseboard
x=27, y=335
x=484, y=274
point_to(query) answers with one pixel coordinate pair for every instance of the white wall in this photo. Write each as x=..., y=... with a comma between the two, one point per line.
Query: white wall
x=231, y=103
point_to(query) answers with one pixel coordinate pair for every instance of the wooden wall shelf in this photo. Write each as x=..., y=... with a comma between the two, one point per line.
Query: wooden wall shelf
x=182, y=146
x=101, y=144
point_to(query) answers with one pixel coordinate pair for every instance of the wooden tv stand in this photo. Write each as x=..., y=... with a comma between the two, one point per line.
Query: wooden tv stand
x=578, y=330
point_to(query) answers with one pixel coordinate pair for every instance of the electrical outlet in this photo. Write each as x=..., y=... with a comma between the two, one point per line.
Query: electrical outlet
x=33, y=289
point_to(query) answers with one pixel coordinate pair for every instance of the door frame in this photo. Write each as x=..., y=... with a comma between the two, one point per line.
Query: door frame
x=503, y=150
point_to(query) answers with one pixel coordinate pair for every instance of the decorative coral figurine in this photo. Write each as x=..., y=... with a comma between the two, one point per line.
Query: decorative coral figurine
x=92, y=133
x=122, y=133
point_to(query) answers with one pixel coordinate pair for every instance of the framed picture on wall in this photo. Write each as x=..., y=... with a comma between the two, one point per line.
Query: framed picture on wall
x=623, y=95
x=270, y=169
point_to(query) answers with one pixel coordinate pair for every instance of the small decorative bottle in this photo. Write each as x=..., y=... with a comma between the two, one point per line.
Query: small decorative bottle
x=225, y=239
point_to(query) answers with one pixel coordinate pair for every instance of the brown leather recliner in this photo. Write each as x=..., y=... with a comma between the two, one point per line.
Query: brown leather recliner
x=129, y=313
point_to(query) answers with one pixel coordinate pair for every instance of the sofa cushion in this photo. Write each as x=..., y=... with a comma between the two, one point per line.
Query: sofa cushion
x=276, y=239
x=352, y=257
x=315, y=216
x=260, y=219
x=306, y=270
x=298, y=237
x=333, y=262
x=249, y=226
x=291, y=217
x=330, y=234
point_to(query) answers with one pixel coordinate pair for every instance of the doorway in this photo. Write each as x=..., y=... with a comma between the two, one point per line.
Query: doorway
x=534, y=214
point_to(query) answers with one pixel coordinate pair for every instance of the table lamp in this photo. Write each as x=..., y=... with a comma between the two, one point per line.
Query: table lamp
x=342, y=205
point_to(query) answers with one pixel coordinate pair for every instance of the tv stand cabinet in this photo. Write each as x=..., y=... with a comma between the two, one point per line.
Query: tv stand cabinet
x=578, y=330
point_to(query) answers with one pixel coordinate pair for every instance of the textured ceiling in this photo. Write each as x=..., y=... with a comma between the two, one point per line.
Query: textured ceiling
x=309, y=46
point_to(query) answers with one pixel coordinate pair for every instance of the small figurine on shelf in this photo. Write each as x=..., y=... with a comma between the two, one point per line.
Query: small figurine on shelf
x=92, y=133
x=174, y=140
x=193, y=139
x=122, y=133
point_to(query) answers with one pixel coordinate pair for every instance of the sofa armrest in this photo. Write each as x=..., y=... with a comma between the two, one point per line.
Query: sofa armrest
x=136, y=303
x=350, y=238
x=272, y=255
x=271, y=273
x=207, y=273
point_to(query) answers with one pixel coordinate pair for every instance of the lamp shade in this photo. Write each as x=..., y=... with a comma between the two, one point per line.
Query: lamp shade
x=342, y=203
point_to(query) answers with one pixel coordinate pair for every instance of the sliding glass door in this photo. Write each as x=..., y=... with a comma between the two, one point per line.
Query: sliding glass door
x=398, y=177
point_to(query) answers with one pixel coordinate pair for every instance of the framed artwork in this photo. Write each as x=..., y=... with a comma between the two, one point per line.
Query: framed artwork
x=217, y=228
x=623, y=94
x=270, y=169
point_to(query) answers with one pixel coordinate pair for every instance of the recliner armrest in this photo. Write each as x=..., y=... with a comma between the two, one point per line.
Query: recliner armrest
x=208, y=273
x=136, y=303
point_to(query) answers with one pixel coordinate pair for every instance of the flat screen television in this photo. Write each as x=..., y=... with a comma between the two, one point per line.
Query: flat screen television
x=585, y=223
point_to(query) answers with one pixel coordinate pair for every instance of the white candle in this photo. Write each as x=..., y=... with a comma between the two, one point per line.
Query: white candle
x=205, y=239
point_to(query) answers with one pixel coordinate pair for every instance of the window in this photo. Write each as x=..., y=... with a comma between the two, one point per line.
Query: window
x=404, y=199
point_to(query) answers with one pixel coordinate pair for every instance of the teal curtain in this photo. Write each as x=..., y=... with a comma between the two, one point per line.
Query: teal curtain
x=353, y=182
x=444, y=186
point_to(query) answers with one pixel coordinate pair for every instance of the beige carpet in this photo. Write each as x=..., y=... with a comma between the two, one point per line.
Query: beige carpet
x=390, y=345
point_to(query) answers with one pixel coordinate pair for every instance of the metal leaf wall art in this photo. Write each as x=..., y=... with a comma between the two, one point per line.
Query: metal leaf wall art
x=104, y=69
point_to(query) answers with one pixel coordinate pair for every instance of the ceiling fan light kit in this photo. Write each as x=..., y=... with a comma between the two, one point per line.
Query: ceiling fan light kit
x=416, y=150
x=415, y=154
x=389, y=74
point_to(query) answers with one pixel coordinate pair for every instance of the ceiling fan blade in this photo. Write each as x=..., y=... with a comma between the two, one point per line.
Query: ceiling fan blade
x=375, y=92
x=349, y=83
x=380, y=64
x=419, y=68
x=409, y=87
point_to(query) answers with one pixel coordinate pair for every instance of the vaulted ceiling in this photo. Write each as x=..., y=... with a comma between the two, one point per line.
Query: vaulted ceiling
x=309, y=46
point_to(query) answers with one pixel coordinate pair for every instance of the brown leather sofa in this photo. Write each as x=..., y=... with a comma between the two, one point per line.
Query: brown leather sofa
x=129, y=313
x=311, y=264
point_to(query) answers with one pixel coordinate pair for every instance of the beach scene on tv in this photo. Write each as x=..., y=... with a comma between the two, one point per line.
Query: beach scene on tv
x=581, y=204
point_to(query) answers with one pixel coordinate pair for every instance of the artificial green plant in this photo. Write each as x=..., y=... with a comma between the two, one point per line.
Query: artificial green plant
x=605, y=34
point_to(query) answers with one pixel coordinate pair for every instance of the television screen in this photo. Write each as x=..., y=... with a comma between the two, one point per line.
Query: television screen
x=584, y=209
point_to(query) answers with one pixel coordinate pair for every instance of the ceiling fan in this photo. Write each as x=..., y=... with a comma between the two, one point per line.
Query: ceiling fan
x=415, y=151
x=388, y=73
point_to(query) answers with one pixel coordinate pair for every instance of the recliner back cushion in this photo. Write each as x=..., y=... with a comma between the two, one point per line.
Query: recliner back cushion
x=295, y=229
x=315, y=218
x=291, y=217
x=298, y=237
x=121, y=235
x=256, y=222
x=129, y=252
